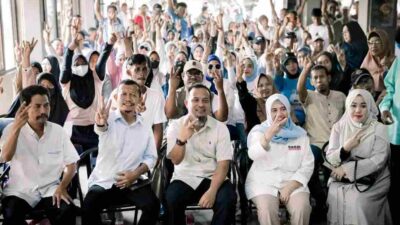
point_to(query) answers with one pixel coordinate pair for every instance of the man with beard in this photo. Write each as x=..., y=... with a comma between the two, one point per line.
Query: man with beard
x=199, y=147
x=39, y=152
x=323, y=108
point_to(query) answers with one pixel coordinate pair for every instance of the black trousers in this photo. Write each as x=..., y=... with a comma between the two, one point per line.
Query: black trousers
x=179, y=195
x=15, y=209
x=99, y=198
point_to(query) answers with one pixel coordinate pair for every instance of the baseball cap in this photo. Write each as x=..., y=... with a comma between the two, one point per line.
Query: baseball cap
x=192, y=64
x=259, y=40
x=317, y=37
x=290, y=35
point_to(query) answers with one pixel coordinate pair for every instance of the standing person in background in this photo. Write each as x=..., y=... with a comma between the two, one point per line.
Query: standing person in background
x=111, y=23
x=178, y=12
x=354, y=44
x=390, y=109
x=379, y=58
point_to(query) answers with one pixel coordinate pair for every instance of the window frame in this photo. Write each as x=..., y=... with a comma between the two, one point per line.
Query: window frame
x=14, y=24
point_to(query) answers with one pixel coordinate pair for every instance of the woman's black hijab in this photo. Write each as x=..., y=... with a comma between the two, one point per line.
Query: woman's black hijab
x=82, y=89
x=55, y=67
x=58, y=107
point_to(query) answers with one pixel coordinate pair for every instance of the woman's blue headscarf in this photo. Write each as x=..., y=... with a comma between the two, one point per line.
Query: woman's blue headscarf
x=210, y=58
x=287, y=132
x=253, y=76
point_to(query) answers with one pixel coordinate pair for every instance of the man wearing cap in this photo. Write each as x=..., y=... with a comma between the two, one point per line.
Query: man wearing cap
x=199, y=147
x=317, y=46
x=290, y=40
x=316, y=28
x=193, y=74
x=259, y=45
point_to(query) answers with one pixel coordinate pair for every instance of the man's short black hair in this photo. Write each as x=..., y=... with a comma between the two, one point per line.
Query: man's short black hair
x=111, y=6
x=130, y=83
x=137, y=59
x=200, y=86
x=320, y=67
x=181, y=4
x=28, y=92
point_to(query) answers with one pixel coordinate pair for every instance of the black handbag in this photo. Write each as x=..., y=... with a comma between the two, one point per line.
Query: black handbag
x=368, y=180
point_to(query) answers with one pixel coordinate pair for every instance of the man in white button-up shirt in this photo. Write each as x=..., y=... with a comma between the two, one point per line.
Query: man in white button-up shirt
x=199, y=147
x=39, y=152
x=126, y=151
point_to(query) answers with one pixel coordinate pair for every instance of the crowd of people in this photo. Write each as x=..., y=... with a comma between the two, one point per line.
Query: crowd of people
x=299, y=99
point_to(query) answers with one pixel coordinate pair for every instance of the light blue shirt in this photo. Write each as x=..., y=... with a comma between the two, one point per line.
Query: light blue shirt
x=122, y=147
x=184, y=24
x=391, y=101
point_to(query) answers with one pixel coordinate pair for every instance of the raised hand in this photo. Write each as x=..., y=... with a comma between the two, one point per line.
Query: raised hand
x=18, y=52
x=174, y=79
x=102, y=112
x=141, y=107
x=274, y=128
x=239, y=72
x=21, y=116
x=354, y=141
x=112, y=39
x=308, y=63
x=218, y=81
x=187, y=130
x=28, y=47
x=46, y=33
x=178, y=26
x=76, y=40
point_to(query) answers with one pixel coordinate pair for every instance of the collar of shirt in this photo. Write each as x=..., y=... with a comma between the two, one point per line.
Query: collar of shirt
x=34, y=134
x=117, y=116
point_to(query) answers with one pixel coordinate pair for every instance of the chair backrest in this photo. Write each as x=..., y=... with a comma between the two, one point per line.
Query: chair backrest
x=3, y=123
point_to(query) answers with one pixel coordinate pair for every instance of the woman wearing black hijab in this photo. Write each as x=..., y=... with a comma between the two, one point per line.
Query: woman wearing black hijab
x=58, y=107
x=81, y=79
x=50, y=65
x=354, y=44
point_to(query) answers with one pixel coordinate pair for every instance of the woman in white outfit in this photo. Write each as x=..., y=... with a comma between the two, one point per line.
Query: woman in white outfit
x=359, y=136
x=283, y=164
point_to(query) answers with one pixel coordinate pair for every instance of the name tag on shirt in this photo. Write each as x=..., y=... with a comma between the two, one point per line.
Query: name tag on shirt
x=294, y=147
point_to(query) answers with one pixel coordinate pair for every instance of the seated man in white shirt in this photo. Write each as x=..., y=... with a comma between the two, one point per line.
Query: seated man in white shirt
x=39, y=152
x=200, y=149
x=126, y=151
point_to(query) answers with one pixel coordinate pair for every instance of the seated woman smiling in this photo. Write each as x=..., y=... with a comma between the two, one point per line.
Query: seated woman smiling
x=282, y=165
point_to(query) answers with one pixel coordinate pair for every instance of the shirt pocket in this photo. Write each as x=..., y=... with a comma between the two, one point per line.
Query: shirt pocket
x=53, y=157
x=293, y=160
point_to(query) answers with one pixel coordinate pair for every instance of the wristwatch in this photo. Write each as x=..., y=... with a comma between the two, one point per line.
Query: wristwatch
x=180, y=143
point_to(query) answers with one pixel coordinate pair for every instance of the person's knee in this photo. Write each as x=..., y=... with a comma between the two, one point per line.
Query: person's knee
x=226, y=196
x=173, y=197
x=13, y=208
x=300, y=205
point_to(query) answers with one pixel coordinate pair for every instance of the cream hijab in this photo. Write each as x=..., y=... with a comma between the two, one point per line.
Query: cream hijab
x=350, y=127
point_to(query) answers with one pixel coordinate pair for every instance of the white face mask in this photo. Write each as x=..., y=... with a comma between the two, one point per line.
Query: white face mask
x=80, y=70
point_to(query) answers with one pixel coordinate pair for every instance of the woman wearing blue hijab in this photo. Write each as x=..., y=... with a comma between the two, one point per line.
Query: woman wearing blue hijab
x=282, y=165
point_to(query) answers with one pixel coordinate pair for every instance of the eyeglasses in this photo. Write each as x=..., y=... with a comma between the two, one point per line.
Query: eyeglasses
x=211, y=66
x=374, y=42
